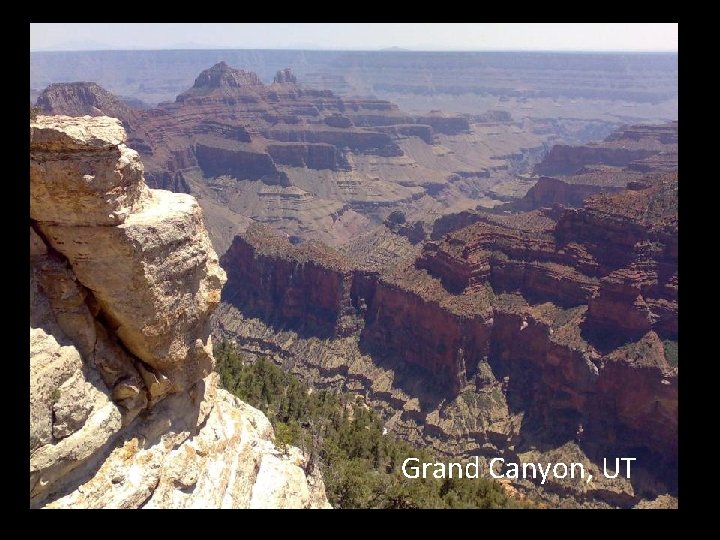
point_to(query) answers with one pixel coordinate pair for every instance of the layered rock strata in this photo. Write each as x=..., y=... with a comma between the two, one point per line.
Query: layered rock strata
x=229, y=138
x=517, y=332
x=125, y=409
x=619, y=149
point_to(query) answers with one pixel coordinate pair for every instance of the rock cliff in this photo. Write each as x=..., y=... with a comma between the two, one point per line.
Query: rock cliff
x=621, y=148
x=81, y=98
x=623, y=159
x=125, y=409
x=516, y=333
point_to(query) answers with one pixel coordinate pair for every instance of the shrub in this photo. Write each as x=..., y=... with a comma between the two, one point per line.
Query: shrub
x=361, y=467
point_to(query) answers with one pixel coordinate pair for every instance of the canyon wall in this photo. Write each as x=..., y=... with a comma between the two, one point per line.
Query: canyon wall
x=307, y=287
x=619, y=149
x=125, y=410
x=516, y=332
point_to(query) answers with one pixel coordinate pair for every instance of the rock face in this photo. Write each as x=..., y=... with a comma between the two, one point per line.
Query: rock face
x=633, y=143
x=81, y=98
x=549, y=191
x=221, y=76
x=513, y=333
x=145, y=255
x=307, y=287
x=633, y=235
x=447, y=124
x=125, y=410
x=623, y=159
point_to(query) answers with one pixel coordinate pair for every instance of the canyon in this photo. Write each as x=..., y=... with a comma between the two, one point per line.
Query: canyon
x=525, y=355
x=496, y=281
x=307, y=162
x=544, y=332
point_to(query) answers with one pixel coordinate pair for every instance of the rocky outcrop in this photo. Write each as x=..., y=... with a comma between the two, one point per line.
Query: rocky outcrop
x=125, y=410
x=227, y=105
x=81, y=206
x=422, y=326
x=230, y=135
x=318, y=292
x=220, y=157
x=307, y=287
x=606, y=167
x=618, y=254
x=550, y=191
x=511, y=253
x=310, y=155
x=564, y=159
x=620, y=149
x=447, y=124
x=285, y=76
x=220, y=77
x=81, y=98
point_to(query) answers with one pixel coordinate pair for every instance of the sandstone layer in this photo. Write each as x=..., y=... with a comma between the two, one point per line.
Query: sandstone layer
x=125, y=410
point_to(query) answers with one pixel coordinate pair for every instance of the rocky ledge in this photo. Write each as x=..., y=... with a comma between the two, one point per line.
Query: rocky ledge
x=125, y=409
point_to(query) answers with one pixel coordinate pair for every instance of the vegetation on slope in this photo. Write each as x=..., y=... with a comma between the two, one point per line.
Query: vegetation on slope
x=361, y=467
x=671, y=352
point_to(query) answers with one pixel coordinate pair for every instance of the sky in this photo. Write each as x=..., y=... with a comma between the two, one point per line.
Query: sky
x=360, y=36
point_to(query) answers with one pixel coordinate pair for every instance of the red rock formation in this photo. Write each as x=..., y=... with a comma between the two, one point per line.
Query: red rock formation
x=636, y=401
x=412, y=320
x=618, y=254
x=599, y=363
x=234, y=105
x=633, y=235
x=549, y=191
x=625, y=401
x=604, y=167
x=307, y=287
x=356, y=139
x=513, y=253
x=565, y=159
x=619, y=149
x=218, y=157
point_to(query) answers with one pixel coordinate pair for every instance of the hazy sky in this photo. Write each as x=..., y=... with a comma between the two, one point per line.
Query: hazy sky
x=367, y=36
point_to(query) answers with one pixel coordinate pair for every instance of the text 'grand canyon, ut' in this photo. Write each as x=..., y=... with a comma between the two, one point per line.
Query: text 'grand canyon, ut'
x=300, y=278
